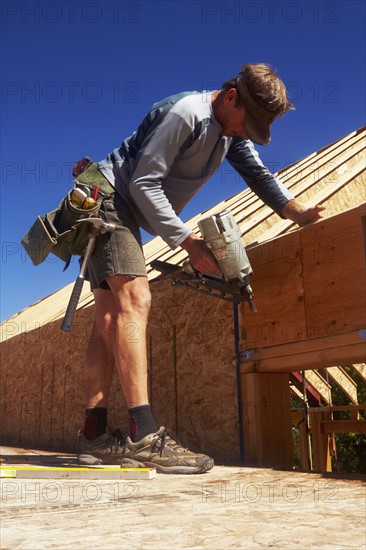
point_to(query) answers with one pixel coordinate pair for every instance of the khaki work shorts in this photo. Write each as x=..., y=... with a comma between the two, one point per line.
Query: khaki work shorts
x=119, y=252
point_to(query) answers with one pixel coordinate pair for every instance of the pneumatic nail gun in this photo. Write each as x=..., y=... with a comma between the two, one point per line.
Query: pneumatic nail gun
x=221, y=235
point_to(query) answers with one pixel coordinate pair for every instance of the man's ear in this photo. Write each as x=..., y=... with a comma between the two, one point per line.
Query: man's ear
x=230, y=96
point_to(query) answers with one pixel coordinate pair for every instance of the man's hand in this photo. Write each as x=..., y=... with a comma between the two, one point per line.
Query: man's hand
x=302, y=215
x=200, y=255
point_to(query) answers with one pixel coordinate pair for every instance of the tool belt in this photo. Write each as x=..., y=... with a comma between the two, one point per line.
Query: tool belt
x=57, y=231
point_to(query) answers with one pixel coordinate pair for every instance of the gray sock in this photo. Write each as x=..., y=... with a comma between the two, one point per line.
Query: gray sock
x=141, y=422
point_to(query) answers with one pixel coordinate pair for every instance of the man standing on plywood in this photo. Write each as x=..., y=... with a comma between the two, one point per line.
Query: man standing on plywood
x=155, y=172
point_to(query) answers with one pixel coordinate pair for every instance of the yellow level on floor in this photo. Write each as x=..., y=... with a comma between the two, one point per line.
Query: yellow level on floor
x=93, y=472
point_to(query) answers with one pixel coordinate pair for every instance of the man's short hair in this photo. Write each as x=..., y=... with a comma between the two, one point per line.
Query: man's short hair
x=264, y=97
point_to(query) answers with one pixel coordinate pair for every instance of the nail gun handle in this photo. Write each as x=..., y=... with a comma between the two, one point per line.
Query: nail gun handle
x=68, y=320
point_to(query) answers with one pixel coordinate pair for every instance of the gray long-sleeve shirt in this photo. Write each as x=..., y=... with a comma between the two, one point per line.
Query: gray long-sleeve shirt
x=175, y=150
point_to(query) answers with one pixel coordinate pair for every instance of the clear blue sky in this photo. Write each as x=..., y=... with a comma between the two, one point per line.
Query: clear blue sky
x=79, y=76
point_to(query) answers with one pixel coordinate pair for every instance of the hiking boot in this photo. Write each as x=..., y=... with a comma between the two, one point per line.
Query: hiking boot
x=105, y=449
x=161, y=450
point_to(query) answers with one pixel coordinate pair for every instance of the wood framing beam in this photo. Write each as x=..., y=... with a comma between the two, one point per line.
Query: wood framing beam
x=345, y=382
x=312, y=393
x=319, y=198
x=322, y=158
x=337, y=408
x=340, y=377
x=296, y=392
x=343, y=426
x=361, y=370
x=306, y=354
x=318, y=382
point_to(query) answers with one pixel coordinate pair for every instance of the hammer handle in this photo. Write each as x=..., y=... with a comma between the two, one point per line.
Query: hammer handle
x=67, y=322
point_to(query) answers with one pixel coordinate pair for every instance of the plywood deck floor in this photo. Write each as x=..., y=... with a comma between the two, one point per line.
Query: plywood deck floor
x=229, y=507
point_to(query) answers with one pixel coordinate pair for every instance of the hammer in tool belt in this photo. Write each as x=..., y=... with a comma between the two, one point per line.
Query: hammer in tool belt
x=97, y=227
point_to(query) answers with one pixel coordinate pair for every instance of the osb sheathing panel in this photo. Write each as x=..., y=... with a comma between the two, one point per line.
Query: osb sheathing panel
x=44, y=376
x=191, y=376
x=191, y=372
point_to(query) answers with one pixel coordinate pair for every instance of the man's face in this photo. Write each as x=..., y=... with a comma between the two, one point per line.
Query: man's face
x=232, y=117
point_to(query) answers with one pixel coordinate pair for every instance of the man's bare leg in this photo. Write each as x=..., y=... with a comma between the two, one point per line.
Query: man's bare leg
x=100, y=364
x=119, y=338
x=132, y=301
x=99, y=355
x=159, y=449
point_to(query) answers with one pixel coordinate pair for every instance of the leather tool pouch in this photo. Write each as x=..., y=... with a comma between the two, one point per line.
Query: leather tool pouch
x=57, y=231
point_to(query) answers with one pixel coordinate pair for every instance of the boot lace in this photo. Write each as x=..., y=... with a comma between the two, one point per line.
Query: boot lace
x=116, y=440
x=166, y=438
